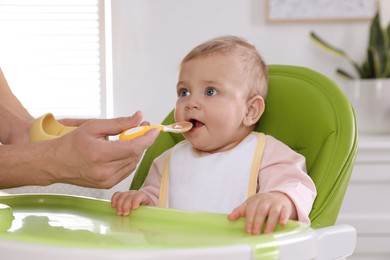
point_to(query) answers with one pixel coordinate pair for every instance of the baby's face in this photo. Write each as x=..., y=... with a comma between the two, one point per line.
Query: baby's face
x=212, y=94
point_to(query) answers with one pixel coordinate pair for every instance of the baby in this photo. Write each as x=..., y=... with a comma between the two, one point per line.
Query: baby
x=223, y=165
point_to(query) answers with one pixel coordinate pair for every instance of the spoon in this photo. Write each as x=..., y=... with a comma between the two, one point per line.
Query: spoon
x=179, y=127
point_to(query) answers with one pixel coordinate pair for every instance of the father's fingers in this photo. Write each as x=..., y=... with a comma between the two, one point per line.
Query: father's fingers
x=110, y=151
x=138, y=144
x=114, y=126
x=72, y=121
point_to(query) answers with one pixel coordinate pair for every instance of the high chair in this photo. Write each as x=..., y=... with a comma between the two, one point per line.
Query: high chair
x=308, y=112
x=304, y=109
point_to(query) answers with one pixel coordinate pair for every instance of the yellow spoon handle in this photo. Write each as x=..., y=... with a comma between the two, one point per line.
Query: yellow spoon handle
x=137, y=131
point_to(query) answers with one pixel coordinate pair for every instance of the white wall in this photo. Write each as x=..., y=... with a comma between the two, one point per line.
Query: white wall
x=150, y=38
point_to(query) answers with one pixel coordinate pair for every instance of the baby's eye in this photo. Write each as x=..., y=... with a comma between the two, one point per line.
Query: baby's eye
x=183, y=92
x=210, y=91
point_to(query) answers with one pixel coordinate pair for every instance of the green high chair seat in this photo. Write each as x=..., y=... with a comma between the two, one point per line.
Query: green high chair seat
x=308, y=112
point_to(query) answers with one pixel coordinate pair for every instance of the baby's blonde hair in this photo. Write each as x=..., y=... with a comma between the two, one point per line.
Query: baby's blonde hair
x=253, y=64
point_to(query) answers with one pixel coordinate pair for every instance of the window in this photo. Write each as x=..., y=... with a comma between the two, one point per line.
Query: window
x=52, y=54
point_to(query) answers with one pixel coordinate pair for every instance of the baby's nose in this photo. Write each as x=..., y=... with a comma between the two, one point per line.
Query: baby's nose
x=193, y=104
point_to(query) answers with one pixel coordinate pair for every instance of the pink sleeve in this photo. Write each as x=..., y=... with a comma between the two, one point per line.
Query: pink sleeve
x=153, y=181
x=284, y=170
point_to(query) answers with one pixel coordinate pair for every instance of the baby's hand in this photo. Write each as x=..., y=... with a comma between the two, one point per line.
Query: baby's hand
x=124, y=202
x=276, y=207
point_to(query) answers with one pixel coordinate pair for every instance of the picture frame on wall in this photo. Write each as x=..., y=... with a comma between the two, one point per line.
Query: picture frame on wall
x=320, y=10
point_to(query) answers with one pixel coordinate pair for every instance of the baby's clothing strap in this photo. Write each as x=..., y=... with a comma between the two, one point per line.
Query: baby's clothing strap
x=216, y=182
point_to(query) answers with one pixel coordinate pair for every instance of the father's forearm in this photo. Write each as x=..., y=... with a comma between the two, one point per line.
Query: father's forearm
x=27, y=164
x=15, y=120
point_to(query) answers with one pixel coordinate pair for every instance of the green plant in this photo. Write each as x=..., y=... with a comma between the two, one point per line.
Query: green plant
x=377, y=62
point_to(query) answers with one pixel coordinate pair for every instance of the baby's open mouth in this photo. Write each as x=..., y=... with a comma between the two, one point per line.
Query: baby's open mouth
x=196, y=123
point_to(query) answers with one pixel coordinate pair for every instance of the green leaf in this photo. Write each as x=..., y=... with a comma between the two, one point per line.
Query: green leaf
x=377, y=41
x=338, y=52
x=367, y=67
x=386, y=71
x=374, y=63
x=344, y=74
x=388, y=35
x=366, y=70
x=320, y=42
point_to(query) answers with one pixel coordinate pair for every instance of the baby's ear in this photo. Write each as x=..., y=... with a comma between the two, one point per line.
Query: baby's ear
x=255, y=109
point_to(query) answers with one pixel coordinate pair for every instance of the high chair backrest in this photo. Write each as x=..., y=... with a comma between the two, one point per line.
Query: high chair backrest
x=308, y=112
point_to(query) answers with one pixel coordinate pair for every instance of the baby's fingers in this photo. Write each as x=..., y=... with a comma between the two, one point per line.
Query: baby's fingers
x=118, y=198
x=122, y=202
x=259, y=218
x=276, y=216
x=272, y=220
x=114, y=199
x=140, y=199
x=238, y=212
